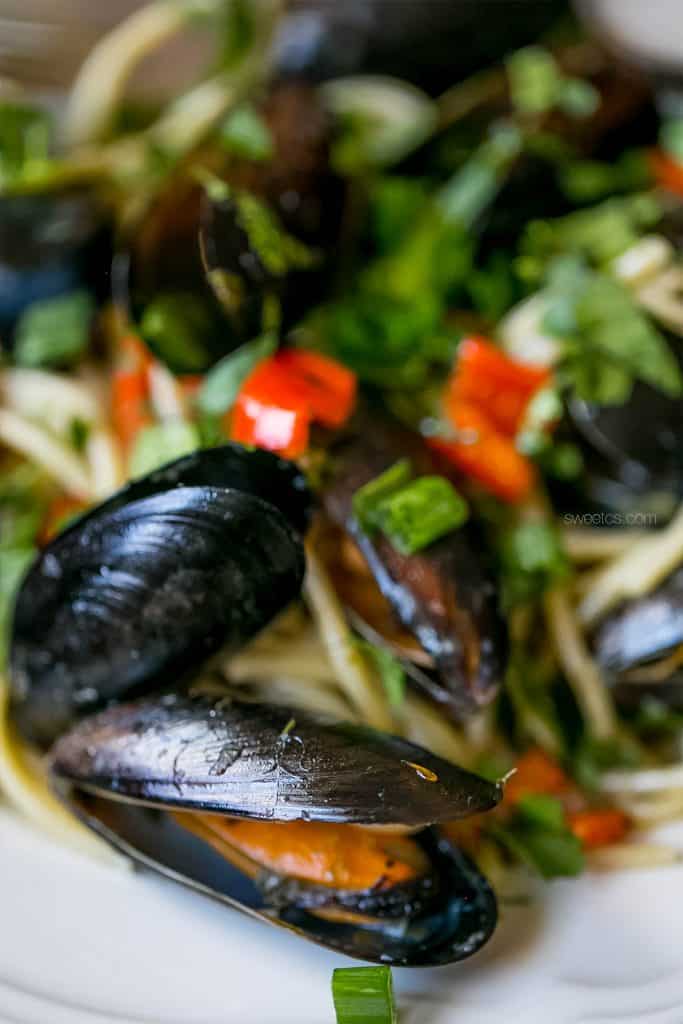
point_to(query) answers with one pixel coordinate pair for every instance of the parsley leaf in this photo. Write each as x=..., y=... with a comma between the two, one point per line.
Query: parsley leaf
x=54, y=332
x=609, y=341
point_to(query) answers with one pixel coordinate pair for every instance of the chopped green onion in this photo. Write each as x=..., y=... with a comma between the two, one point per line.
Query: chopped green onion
x=162, y=443
x=463, y=199
x=368, y=497
x=535, y=80
x=389, y=669
x=363, y=995
x=421, y=512
x=245, y=133
x=54, y=332
x=542, y=809
x=222, y=384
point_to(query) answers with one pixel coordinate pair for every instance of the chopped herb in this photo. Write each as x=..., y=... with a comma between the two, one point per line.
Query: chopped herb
x=24, y=498
x=363, y=995
x=245, y=133
x=13, y=565
x=368, y=498
x=671, y=138
x=599, y=234
x=532, y=561
x=395, y=205
x=54, y=332
x=554, y=852
x=537, y=86
x=542, y=810
x=535, y=80
x=609, y=341
x=389, y=669
x=177, y=326
x=420, y=513
x=586, y=181
x=593, y=757
x=79, y=431
x=24, y=142
x=477, y=183
x=223, y=382
x=161, y=443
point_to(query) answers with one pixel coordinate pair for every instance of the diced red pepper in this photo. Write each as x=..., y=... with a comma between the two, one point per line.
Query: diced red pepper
x=129, y=408
x=536, y=773
x=600, y=827
x=271, y=412
x=485, y=454
x=60, y=511
x=666, y=171
x=284, y=394
x=501, y=387
x=329, y=387
x=133, y=354
x=130, y=389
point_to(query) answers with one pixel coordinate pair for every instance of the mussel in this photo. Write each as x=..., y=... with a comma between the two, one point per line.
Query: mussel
x=632, y=451
x=640, y=646
x=50, y=244
x=276, y=812
x=208, y=260
x=322, y=827
x=444, y=597
x=145, y=587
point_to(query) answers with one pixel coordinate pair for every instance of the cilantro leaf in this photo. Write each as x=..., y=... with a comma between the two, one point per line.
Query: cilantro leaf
x=54, y=332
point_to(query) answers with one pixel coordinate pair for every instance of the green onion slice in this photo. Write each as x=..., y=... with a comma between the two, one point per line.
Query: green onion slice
x=363, y=995
x=418, y=514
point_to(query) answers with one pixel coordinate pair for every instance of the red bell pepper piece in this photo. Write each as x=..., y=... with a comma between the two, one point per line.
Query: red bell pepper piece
x=329, y=387
x=599, y=827
x=667, y=172
x=130, y=389
x=284, y=394
x=271, y=412
x=485, y=454
x=501, y=387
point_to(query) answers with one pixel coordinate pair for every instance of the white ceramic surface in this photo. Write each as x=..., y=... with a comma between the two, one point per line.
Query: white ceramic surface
x=82, y=944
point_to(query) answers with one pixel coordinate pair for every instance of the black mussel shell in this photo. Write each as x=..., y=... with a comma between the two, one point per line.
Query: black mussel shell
x=254, y=760
x=636, y=645
x=632, y=451
x=445, y=595
x=134, y=597
x=406, y=900
x=264, y=475
x=121, y=770
x=432, y=44
x=191, y=250
x=49, y=245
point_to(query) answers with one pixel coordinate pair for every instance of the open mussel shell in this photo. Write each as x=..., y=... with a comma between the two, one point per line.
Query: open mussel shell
x=632, y=451
x=444, y=595
x=123, y=770
x=133, y=597
x=640, y=646
x=50, y=244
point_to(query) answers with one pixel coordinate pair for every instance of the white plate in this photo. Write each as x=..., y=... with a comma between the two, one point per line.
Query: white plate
x=83, y=944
